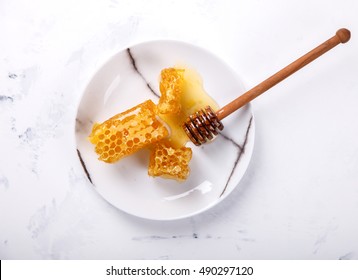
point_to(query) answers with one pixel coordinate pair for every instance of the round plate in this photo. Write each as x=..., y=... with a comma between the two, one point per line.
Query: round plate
x=131, y=77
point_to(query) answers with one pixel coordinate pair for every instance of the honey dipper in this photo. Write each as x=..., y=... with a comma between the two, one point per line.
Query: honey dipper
x=205, y=124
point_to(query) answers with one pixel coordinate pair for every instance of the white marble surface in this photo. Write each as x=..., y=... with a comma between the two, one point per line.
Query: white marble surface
x=299, y=197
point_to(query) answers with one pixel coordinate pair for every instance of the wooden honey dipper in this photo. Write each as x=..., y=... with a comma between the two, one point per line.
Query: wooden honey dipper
x=205, y=124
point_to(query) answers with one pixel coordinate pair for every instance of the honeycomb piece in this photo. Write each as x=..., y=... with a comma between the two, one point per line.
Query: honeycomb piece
x=127, y=132
x=169, y=162
x=171, y=89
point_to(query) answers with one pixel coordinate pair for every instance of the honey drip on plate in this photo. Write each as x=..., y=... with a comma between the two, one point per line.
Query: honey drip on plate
x=193, y=98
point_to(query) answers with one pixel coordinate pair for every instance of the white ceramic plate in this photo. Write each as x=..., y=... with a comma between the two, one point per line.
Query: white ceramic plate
x=131, y=77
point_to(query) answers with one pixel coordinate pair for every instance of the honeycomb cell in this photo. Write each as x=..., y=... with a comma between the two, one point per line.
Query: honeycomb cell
x=171, y=89
x=119, y=131
x=168, y=162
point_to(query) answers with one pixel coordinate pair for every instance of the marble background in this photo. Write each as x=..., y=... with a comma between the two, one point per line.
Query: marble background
x=299, y=197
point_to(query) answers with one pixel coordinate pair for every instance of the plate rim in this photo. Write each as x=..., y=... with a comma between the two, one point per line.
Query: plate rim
x=85, y=85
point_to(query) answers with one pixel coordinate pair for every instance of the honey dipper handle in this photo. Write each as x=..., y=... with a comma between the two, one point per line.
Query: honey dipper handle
x=341, y=36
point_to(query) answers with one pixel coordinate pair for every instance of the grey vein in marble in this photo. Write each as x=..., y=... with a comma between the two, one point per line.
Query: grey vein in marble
x=41, y=219
x=322, y=239
x=83, y=126
x=23, y=81
x=47, y=125
x=134, y=64
x=75, y=178
x=84, y=166
x=348, y=256
x=181, y=236
x=4, y=182
x=241, y=151
x=13, y=124
x=76, y=55
x=28, y=135
x=12, y=75
x=6, y=98
x=32, y=140
x=149, y=238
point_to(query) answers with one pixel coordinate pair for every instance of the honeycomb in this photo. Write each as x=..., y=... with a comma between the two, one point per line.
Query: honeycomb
x=169, y=162
x=171, y=89
x=127, y=132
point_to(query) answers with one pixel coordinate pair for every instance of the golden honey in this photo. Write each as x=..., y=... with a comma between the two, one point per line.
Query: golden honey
x=127, y=132
x=146, y=125
x=169, y=162
x=171, y=90
x=193, y=98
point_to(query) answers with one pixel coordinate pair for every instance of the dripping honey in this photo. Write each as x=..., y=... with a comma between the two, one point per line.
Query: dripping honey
x=193, y=98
